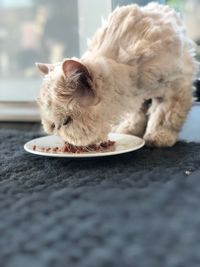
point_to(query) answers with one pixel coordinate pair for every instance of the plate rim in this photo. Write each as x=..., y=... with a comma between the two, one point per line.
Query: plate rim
x=85, y=155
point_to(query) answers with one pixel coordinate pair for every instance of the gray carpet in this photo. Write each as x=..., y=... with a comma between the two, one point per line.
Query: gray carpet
x=141, y=209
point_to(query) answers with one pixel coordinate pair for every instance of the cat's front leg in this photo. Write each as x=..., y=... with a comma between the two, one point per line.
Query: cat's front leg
x=166, y=117
x=133, y=123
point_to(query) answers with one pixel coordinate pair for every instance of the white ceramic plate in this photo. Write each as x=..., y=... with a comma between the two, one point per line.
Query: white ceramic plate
x=123, y=143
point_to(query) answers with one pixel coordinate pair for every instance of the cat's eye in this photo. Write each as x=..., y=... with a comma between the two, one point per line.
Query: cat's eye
x=67, y=120
x=53, y=126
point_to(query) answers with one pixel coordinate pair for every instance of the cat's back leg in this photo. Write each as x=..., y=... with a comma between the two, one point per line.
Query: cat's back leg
x=167, y=115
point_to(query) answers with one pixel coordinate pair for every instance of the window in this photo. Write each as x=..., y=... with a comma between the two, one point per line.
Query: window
x=39, y=31
x=139, y=2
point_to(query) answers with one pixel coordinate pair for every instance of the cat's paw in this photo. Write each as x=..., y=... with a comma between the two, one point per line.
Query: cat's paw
x=160, y=138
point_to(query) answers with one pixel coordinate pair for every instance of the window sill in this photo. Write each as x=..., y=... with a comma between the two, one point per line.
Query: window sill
x=19, y=111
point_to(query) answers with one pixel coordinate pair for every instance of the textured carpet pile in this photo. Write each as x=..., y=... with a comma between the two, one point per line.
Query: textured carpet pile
x=140, y=209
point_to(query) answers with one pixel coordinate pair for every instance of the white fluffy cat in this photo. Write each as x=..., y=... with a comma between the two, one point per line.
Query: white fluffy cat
x=140, y=53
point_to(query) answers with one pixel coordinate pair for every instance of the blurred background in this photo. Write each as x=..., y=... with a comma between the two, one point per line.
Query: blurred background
x=47, y=31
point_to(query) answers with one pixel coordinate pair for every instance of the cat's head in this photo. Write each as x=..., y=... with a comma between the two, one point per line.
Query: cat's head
x=69, y=103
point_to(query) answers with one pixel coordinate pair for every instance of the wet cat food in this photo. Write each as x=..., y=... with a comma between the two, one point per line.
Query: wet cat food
x=68, y=148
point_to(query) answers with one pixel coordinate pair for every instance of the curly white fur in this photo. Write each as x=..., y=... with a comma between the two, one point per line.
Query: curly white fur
x=140, y=53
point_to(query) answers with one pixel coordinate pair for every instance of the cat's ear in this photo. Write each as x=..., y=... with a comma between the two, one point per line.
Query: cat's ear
x=44, y=68
x=82, y=81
